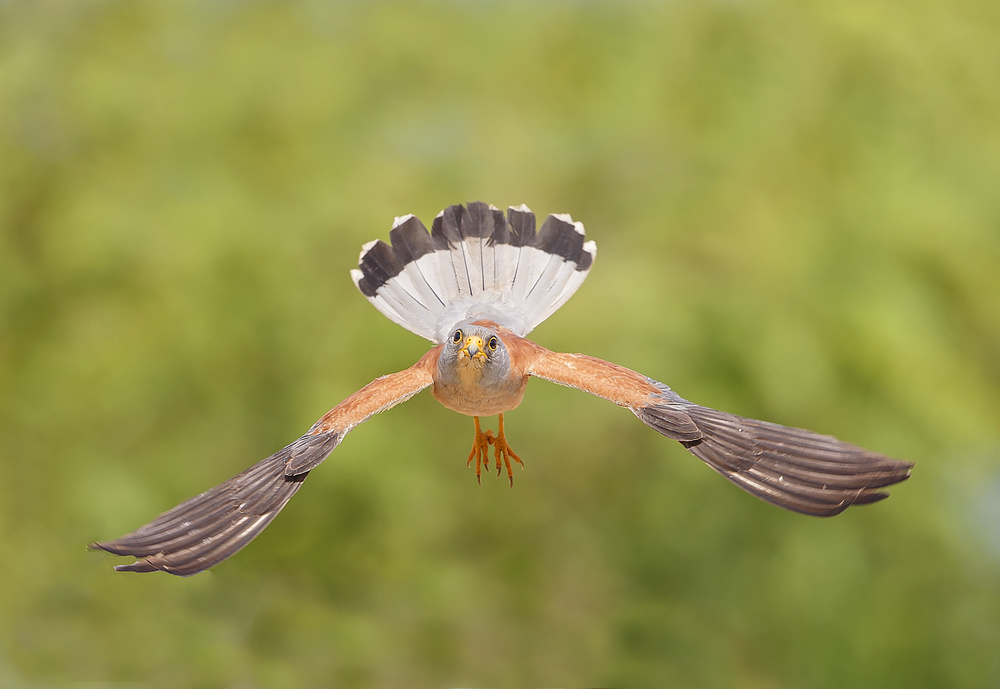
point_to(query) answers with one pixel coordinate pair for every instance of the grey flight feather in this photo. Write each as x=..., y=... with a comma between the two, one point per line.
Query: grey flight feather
x=789, y=467
x=201, y=532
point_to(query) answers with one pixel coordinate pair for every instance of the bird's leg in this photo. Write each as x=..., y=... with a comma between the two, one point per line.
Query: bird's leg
x=480, y=445
x=503, y=450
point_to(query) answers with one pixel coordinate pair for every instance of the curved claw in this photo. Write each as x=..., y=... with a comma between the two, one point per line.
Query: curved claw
x=480, y=448
x=502, y=452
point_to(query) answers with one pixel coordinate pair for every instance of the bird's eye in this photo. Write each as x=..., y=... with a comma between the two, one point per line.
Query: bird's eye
x=457, y=337
x=492, y=344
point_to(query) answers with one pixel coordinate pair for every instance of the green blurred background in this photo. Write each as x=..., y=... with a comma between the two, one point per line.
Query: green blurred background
x=798, y=217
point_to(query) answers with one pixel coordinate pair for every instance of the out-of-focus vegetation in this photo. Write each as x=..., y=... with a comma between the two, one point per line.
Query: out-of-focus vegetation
x=798, y=217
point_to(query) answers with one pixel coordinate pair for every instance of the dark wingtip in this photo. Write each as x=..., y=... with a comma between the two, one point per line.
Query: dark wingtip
x=793, y=468
x=210, y=527
x=108, y=547
x=138, y=566
x=869, y=498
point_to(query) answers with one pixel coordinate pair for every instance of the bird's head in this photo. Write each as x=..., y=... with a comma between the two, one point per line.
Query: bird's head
x=474, y=354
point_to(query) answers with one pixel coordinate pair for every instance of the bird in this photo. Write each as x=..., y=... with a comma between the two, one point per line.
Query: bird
x=475, y=285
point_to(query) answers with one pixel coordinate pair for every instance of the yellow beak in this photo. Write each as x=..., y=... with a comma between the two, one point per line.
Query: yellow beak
x=474, y=347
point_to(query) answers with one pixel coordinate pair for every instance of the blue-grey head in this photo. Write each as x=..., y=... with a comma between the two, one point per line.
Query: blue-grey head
x=474, y=355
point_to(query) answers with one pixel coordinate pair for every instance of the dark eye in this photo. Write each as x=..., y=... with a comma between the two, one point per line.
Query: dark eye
x=492, y=344
x=457, y=337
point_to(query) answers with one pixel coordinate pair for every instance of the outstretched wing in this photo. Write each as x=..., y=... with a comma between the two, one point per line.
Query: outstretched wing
x=208, y=528
x=789, y=467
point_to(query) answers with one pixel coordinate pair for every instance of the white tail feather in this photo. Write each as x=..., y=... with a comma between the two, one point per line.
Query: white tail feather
x=474, y=265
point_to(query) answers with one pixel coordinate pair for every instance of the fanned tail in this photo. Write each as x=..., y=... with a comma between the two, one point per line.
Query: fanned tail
x=475, y=262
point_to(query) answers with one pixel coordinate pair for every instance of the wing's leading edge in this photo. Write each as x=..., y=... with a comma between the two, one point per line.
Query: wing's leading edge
x=792, y=468
x=210, y=527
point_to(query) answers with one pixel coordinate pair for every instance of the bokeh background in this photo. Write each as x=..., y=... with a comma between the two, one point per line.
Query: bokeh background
x=798, y=216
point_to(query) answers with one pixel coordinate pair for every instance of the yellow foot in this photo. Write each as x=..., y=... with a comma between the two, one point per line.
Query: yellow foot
x=480, y=446
x=502, y=452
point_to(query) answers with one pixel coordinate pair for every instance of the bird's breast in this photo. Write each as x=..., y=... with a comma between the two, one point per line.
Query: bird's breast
x=466, y=394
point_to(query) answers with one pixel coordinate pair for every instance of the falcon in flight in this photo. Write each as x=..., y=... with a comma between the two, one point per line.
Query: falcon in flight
x=475, y=286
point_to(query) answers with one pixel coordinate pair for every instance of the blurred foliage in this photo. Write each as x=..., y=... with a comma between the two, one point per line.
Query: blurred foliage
x=798, y=220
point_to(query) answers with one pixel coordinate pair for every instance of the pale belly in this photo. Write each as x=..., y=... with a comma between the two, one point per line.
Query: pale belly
x=477, y=400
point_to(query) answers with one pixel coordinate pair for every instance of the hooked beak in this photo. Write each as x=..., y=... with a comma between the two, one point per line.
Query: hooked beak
x=474, y=348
